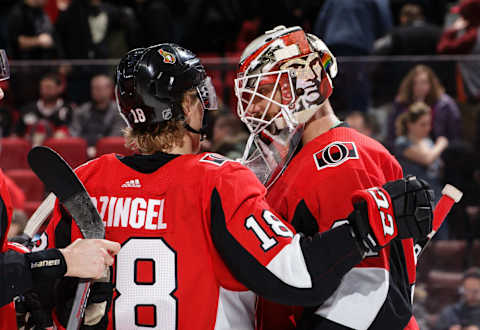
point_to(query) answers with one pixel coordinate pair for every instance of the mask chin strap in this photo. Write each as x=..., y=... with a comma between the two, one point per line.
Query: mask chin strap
x=301, y=117
x=202, y=131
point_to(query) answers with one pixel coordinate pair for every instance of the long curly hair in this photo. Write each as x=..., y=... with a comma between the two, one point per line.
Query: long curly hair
x=405, y=92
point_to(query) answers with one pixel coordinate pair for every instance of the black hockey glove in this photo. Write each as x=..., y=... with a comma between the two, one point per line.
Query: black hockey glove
x=31, y=312
x=98, y=303
x=401, y=208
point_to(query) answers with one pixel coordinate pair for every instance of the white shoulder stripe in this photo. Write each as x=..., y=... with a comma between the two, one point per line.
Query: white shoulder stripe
x=289, y=265
x=358, y=299
x=235, y=310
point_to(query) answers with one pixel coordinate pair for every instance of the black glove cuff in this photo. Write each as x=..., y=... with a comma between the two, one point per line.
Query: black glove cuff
x=46, y=264
x=358, y=219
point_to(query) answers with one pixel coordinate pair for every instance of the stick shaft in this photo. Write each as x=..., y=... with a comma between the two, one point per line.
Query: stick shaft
x=79, y=304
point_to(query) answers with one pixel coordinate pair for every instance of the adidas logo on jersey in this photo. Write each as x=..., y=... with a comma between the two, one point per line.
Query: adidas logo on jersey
x=134, y=183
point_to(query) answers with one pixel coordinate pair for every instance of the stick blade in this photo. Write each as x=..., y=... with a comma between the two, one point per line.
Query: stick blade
x=54, y=172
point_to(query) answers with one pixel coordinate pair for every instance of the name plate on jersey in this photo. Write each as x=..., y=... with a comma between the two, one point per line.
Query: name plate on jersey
x=132, y=212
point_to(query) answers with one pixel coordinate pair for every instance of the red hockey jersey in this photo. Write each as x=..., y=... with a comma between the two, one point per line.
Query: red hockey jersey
x=316, y=184
x=179, y=223
x=7, y=312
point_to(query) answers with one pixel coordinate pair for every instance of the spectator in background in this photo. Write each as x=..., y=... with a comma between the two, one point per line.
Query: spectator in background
x=464, y=314
x=349, y=28
x=363, y=122
x=30, y=32
x=99, y=117
x=421, y=84
x=463, y=37
x=414, y=36
x=5, y=7
x=49, y=116
x=17, y=226
x=416, y=152
x=229, y=136
x=153, y=23
x=83, y=28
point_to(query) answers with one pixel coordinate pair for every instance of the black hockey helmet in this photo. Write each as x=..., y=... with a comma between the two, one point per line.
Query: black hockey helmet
x=150, y=83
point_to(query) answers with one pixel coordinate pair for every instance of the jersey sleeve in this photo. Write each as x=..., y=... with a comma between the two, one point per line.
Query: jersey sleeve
x=61, y=230
x=265, y=254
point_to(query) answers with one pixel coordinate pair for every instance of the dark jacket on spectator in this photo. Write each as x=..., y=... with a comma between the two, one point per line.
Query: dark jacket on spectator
x=92, y=124
x=460, y=314
x=30, y=22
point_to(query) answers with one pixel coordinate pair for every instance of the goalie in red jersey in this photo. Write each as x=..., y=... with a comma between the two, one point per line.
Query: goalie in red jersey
x=197, y=234
x=310, y=162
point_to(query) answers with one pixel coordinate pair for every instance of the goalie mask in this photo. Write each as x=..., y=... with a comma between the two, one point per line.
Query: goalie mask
x=150, y=84
x=285, y=76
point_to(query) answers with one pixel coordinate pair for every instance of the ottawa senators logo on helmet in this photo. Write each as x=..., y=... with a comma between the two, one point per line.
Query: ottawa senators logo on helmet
x=167, y=57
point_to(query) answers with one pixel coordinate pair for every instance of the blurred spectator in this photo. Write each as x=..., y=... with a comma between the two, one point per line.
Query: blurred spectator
x=30, y=32
x=17, y=226
x=420, y=296
x=211, y=25
x=434, y=9
x=229, y=136
x=463, y=37
x=363, y=122
x=464, y=314
x=414, y=36
x=5, y=7
x=349, y=28
x=49, y=116
x=422, y=85
x=83, y=28
x=416, y=152
x=99, y=117
x=153, y=23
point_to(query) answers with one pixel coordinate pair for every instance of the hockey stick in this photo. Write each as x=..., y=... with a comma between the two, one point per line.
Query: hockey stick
x=450, y=196
x=38, y=217
x=59, y=177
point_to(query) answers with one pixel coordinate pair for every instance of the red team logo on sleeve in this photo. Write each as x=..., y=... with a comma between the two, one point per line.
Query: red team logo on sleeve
x=335, y=154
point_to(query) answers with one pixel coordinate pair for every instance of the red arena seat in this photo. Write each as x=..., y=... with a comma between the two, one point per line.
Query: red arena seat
x=72, y=149
x=13, y=153
x=112, y=144
x=31, y=185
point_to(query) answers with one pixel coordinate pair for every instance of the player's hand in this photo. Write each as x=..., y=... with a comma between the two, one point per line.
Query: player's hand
x=88, y=258
x=1, y=94
x=401, y=208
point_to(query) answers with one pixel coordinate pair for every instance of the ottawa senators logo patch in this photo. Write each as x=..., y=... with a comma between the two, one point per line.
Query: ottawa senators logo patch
x=335, y=154
x=215, y=159
x=167, y=57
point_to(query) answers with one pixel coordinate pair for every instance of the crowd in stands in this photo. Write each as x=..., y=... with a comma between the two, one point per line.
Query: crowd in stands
x=425, y=110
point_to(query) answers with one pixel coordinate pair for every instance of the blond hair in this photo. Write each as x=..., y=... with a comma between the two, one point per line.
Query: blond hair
x=161, y=136
x=414, y=112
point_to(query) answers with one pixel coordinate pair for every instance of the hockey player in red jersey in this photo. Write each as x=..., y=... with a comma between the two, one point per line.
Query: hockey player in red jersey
x=21, y=270
x=196, y=231
x=310, y=161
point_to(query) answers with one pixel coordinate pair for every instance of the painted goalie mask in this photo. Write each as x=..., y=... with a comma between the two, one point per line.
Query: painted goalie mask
x=285, y=76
